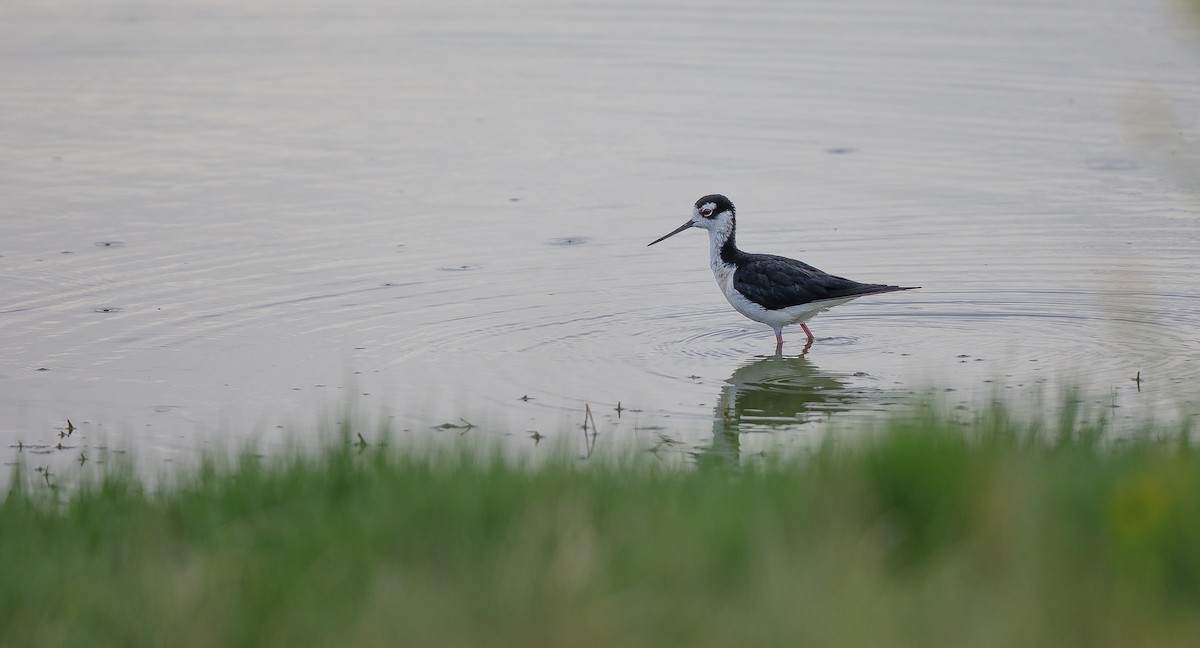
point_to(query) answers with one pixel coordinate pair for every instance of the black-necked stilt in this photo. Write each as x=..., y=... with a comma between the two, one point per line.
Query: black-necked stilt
x=774, y=290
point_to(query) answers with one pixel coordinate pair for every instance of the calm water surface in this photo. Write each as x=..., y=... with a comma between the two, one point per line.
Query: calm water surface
x=226, y=222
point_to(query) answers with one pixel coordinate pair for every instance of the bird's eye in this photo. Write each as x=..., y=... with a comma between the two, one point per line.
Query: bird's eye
x=706, y=212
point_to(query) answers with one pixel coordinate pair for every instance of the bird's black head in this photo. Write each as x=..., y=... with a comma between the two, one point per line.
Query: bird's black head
x=714, y=205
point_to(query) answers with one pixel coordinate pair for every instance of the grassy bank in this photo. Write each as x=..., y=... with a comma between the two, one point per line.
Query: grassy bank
x=932, y=534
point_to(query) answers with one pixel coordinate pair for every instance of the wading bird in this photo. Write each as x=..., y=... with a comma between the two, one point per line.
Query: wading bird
x=774, y=290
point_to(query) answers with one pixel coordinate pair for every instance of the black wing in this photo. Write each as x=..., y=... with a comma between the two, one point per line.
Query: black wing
x=778, y=282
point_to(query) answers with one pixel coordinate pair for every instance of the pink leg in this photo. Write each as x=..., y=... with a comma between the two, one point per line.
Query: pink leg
x=807, y=332
x=778, y=340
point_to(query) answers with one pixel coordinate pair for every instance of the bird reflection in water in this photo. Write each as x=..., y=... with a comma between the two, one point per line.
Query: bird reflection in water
x=770, y=393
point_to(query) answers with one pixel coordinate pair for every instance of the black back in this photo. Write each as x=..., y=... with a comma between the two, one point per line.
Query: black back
x=778, y=282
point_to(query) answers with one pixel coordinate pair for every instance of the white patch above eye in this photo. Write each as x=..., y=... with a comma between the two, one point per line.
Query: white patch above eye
x=708, y=209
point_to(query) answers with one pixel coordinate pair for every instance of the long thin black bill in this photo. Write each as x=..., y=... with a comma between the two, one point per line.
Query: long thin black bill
x=681, y=228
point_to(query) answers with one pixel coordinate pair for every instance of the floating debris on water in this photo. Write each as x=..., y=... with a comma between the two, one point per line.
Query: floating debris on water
x=569, y=240
x=464, y=426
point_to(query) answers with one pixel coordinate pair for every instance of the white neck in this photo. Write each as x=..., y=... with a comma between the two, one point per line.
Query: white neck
x=716, y=240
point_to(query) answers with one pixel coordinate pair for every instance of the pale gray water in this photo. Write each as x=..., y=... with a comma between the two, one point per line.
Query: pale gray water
x=225, y=221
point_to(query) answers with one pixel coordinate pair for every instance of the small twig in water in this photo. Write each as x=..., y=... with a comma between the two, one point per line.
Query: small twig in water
x=70, y=427
x=587, y=416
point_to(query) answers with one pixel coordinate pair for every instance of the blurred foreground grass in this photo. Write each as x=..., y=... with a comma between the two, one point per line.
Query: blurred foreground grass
x=998, y=533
